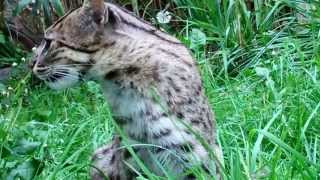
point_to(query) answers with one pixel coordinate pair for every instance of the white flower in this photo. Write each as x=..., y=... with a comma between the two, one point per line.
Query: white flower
x=23, y=59
x=263, y=72
x=3, y=92
x=10, y=88
x=164, y=17
x=14, y=64
x=34, y=49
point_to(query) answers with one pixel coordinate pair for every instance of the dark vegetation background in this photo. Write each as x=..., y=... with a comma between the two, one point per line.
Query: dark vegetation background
x=259, y=60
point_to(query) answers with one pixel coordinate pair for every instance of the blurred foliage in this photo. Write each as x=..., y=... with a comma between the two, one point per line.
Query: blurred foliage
x=9, y=52
x=232, y=35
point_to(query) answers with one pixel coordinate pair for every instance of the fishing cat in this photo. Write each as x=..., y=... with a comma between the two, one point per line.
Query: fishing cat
x=150, y=81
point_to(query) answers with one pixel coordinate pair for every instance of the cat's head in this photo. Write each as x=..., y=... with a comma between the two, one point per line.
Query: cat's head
x=65, y=54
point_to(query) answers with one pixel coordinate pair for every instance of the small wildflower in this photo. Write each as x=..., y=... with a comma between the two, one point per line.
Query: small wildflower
x=164, y=17
x=10, y=88
x=34, y=49
x=25, y=91
x=262, y=72
x=14, y=64
x=274, y=53
x=23, y=59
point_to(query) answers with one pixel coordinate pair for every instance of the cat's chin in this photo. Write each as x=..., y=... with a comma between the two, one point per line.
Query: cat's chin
x=62, y=83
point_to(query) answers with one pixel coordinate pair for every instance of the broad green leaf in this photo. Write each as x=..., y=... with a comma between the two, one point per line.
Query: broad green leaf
x=26, y=147
x=197, y=38
x=25, y=171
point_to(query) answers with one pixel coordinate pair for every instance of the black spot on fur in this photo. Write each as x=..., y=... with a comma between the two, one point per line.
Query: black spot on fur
x=169, y=103
x=126, y=154
x=205, y=125
x=92, y=61
x=148, y=112
x=55, y=53
x=132, y=85
x=105, y=151
x=154, y=118
x=155, y=73
x=112, y=74
x=122, y=120
x=118, y=82
x=168, y=52
x=188, y=63
x=195, y=121
x=164, y=115
x=181, y=69
x=190, y=177
x=97, y=17
x=110, y=44
x=173, y=84
x=190, y=101
x=199, y=88
x=132, y=70
x=162, y=133
x=183, y=78
x=113, y=158
x=180, y=115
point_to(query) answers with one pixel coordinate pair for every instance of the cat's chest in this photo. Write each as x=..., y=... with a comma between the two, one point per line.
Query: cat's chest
x=142, y=119
x=124, y=102
x=128, y=108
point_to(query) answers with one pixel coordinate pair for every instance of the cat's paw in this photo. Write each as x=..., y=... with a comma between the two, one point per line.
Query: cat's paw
x=105, y=161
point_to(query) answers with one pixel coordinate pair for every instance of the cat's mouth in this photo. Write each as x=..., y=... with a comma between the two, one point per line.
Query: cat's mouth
x=58, y=78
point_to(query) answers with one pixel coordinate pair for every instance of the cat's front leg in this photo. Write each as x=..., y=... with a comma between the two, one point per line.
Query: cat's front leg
x=107, y=162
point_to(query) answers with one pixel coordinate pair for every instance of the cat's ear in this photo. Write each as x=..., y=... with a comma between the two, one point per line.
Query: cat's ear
x=98, y=10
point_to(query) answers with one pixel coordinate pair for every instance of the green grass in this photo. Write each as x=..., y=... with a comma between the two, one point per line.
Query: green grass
x=260, y=70
x=267, y=126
